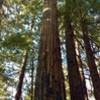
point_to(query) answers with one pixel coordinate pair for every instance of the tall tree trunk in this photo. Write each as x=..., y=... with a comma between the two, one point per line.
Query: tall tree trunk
x=32, y=78
x=79, y=61
x=49, y=78
x=76, y=90
x=91, y=62
x=21, y=78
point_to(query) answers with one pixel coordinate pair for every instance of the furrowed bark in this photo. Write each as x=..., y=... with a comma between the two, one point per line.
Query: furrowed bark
x=76, y=89
x=49, y=79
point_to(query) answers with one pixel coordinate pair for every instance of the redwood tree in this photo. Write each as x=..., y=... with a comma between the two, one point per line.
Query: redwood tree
x=91, y=60
x=49, y=78
x=80, y=65
x=76, y=89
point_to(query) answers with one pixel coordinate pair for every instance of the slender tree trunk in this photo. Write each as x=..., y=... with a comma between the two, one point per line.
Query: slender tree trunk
x=32, y=78
x=76, y=90
x=21, y=78
x=91, y=62
x=49, y=78
x=79, y=61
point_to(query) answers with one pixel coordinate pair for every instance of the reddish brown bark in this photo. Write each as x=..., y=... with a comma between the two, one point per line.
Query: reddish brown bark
x=79, y=61
x=76, y=89
x=49, y=79
x=91, y=61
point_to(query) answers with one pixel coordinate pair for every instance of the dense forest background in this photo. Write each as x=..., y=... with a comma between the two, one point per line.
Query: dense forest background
x=49, y=49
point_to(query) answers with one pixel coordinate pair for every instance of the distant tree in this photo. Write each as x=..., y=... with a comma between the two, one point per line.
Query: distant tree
x=21, y=78
x=91, y=61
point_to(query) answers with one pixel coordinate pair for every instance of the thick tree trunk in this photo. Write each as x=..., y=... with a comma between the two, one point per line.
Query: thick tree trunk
x=79, y=61
x=49, y=79
x=76, y=90
x=91, y=62
x=21, y=78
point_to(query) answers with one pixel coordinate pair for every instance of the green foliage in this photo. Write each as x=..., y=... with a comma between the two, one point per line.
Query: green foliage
x=23, y=41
